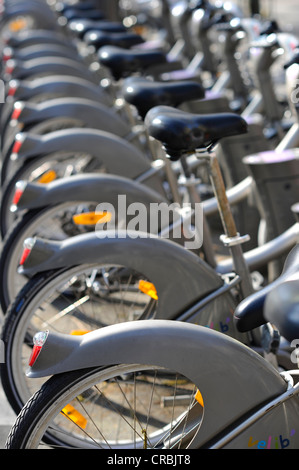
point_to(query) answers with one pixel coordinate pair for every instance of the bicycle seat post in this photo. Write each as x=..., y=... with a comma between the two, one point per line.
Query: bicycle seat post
x=191, y=183
x=232, y=239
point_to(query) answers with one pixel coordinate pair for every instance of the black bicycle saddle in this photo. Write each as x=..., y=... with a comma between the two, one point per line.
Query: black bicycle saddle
x=78, y=13
x=122, y=62
x=105, y=38
x=64, y=6
x=181, y=132
x=277, y=303
x=145, y=94
x=81, y=27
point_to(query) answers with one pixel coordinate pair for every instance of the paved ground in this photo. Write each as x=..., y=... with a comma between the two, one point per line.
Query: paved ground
x=7, y=416
x=285, y=12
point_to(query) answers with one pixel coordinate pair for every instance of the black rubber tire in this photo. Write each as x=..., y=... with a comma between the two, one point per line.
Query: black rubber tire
x=12, y=318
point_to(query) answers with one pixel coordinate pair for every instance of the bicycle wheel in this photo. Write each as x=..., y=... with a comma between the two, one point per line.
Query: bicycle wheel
x=54, y=223
x=118, y=407
x=71, y=301
x=61, y=164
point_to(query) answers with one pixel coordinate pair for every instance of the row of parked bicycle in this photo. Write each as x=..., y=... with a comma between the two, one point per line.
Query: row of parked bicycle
x=127, y=147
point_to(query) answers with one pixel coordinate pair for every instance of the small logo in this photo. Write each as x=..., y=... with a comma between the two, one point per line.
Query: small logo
x=223, y=327
x=278, y=442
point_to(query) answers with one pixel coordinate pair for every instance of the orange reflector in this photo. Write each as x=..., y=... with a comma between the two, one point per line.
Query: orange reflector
x=17, y=25
x=149, y=289
x=198, y=398
x=70, y=412
x=47, y=177
x=79, y=332
x=92, y=218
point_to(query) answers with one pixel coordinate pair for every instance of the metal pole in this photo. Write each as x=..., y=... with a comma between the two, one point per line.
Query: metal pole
x=255, y=7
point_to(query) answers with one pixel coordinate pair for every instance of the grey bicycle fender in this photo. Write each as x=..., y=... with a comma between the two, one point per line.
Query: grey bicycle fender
x=86, y=187
x=232, y=379
x=57, y=85
x=40, y=50
x=118, y=156
x=51, y=65
x=83, y=111
x=44, y=17
x=38, y=36
x=64, y=85
x=180, y=276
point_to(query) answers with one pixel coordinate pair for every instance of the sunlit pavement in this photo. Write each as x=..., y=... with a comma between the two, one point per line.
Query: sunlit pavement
x=7, y=416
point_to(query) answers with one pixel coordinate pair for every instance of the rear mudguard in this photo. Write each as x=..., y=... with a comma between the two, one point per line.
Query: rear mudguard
x=180, y=277
x=56, y=86
x=49, y=65
x=63, y=85
x=43, y=16
x=84, y=112
x=38, y=36
x=232, y=379
x=86, y=187
x=42, y=50
x=115, y=154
